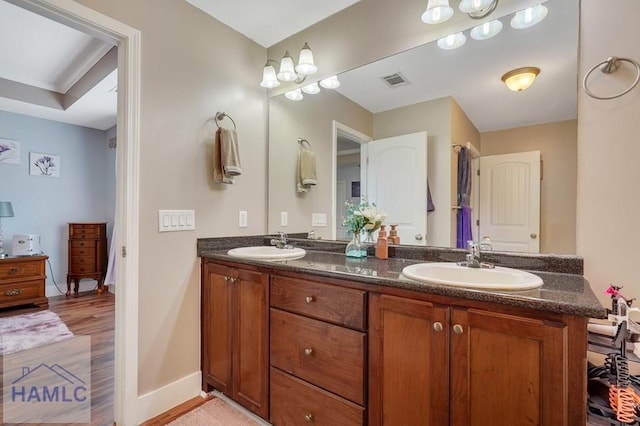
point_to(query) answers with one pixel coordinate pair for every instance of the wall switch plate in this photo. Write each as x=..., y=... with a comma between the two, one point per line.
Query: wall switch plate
x=284, y=218
x=318, y=219
x=243, y=219
x=176, y=220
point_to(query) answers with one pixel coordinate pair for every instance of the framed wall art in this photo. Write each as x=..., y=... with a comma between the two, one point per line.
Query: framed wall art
x=44, y=164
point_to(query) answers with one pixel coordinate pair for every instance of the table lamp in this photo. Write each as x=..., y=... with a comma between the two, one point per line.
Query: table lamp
x=5, y=211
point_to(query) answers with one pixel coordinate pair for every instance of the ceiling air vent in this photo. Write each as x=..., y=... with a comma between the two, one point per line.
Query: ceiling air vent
x=395, y=80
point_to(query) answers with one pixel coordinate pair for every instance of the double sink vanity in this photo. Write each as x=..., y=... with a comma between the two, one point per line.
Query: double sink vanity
x=323, y=339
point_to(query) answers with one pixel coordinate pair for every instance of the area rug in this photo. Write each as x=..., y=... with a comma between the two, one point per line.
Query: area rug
x=214, y=413
x=27, y=331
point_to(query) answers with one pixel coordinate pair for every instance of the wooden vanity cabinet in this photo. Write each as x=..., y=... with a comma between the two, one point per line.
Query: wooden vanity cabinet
x=445, y=364
x=318, y=346
x=234, y=334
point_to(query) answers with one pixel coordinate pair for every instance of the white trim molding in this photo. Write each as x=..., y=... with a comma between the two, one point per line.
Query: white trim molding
x=156, y=402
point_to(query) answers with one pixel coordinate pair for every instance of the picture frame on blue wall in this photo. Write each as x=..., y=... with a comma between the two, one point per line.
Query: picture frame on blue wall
x=41, y=164
x=9, y=151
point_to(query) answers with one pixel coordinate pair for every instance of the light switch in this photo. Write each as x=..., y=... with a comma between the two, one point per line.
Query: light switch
x=176, y=220
x=318, y=219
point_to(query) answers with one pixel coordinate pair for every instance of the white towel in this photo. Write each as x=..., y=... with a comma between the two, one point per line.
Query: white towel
x=306, y=170
x=226, y=161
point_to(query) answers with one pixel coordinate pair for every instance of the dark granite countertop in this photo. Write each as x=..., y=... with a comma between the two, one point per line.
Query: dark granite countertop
x=565, y=293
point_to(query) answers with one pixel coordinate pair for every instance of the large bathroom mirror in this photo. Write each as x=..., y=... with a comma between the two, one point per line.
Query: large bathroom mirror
x=457, y=98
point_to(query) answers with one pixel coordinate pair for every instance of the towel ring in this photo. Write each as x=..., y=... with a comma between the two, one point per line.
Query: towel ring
x=220, y=116
x=302, y=141
x=610, y=65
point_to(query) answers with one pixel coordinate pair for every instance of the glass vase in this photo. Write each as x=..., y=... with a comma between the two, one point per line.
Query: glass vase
x=356, y=248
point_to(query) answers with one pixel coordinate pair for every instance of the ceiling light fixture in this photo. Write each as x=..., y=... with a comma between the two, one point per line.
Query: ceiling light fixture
x=486, y=30
x=452, y=41
x=520, y=78
x=528, y=17
x=288, y=71
x=437, y=11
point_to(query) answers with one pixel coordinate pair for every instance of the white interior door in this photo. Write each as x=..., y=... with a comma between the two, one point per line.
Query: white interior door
x=397, y=172
x=341, y=198
x=510, y=201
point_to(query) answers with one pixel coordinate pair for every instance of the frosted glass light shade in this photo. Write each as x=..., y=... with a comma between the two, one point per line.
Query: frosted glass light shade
x=520, y=78
x=437, y=11
x=330, y=82
x=474, y=6
x=294, y=95
x=6, y=210
x=305, y=62
x=528, y=17
x=269, y=79
x=287, y=73
x=486, y=30
x=311, y=89
x=452, y=41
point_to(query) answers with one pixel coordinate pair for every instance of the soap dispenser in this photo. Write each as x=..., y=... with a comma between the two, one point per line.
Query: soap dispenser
x=382, y=245
x=393, y=235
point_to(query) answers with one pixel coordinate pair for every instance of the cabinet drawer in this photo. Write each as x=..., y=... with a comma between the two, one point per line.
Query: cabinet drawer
x=326, y=355
x=75, y=244
x=14, y=292
x=326, y=302
x=83, y=261
x=17, y=270
x=83, y=251
x=295, y=402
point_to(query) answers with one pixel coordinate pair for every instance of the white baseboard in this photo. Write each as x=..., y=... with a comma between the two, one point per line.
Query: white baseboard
x=161, y=400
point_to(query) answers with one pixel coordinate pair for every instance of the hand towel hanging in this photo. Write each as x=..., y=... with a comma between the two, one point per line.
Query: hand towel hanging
x=306, y=171
x=226, y=156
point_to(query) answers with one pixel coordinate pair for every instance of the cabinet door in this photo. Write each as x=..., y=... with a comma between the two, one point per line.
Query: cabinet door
x=250, y=358
x=507, y=370
x=216, y=328
x=409, y=364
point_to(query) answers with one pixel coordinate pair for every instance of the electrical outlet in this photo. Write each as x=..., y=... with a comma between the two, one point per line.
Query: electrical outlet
x=243, y=219
x=284, y=218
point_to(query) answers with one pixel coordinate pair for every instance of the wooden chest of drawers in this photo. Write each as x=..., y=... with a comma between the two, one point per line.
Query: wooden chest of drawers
x=87, y=254
x=22, y=281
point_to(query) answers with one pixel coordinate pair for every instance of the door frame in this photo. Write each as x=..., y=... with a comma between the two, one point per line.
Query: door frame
x=128, y=40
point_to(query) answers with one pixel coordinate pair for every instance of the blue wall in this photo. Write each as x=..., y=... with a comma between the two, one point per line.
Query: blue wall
x=84, y=192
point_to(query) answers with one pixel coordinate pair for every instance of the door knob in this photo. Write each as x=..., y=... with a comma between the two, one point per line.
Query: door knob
x=457, y=328
x=534, y=235
x=419, y=237
x=437, y=326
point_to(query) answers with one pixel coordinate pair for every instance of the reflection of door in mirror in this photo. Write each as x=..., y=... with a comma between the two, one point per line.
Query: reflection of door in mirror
x=349, y=175
x=397, y=183
x=510, y=201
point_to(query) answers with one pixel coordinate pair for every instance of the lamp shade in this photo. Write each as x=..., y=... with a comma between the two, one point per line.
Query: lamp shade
x=528, y=17
x=287, y=73
x=452, y=41
x=294, y=95
x=269, y=79
x=5, y=209
x=330, y=82
x=474, y=6
x=486, y=30
x=305, y=62
x=520, y=78
x=437, y=11
x=311, y=89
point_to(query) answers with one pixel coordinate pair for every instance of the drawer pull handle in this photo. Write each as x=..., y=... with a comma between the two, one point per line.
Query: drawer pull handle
x=308, y=418
x=310, y=299
x=15, y=292
x=437, y=327
x=14, y=271
x=457, y=328
x=308, y=352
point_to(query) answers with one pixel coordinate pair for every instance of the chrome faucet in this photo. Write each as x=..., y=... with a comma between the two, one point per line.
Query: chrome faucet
x=281, y=242
x=473, y=257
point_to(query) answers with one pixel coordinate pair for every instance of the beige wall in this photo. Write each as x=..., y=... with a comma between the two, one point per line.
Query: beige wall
x=557, y=143
x=311, y=119
x=434, y=117
x=186, y=78
x=608, y=228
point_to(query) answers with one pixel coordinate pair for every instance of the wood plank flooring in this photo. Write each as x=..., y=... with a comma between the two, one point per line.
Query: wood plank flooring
x=90, y=314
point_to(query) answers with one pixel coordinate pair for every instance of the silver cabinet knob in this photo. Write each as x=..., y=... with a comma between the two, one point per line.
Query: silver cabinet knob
x=534, y=235
x=309, y=299
x=419, y=237
x=308, y=418
x=457, y=328
x=437, y=326
x=308, y=352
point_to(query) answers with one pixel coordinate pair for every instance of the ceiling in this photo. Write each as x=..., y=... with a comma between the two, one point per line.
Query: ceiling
x=55, y=72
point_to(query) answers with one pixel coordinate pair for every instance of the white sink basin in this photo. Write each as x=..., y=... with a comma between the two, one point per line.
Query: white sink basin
x=447, y=273
x=267, y=253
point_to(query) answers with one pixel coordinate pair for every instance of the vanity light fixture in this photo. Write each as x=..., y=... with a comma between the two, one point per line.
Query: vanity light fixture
x=311, y=89
x=452, y=41
x=486, y=30
x=437, y=11
x=477, y=9
x=520, y=78
x=288, y=71
x=330, y=82
x=294, y=95
x=528, y=17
